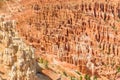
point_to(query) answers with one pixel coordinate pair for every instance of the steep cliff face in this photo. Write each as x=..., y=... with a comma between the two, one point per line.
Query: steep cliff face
x=17, y=60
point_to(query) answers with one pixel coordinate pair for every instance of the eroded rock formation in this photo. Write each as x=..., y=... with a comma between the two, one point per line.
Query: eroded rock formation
x=76, y=34
x=83, y=33
x=17, y=60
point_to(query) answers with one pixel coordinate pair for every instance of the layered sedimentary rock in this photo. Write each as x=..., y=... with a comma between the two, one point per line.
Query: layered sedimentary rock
x=17, y=60
x=84, y=34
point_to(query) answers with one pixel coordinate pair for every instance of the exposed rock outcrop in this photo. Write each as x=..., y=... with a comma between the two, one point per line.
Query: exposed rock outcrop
x=81, y=33
x=74, y=30
x=15, y=55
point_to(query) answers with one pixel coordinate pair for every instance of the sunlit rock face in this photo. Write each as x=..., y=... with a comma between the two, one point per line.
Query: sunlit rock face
x=16, y=58
x=83, y=34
